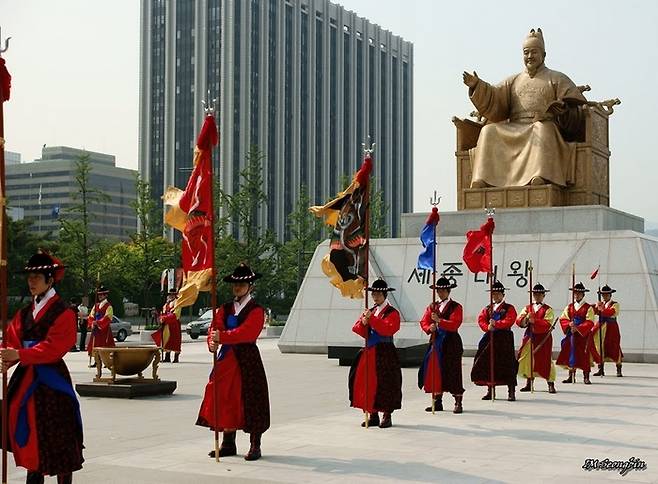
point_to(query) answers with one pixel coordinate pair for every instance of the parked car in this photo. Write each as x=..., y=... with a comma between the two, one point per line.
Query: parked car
x=201, y=326
x=120, y=329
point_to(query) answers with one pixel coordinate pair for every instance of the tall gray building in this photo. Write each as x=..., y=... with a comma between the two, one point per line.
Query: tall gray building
x=304, y=80
x=43, y=190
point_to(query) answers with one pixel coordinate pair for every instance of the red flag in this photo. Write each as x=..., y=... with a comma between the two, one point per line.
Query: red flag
x=197, y=192
x=477, y=252
x=5, y=81
x=595, y=273
x=190, y=212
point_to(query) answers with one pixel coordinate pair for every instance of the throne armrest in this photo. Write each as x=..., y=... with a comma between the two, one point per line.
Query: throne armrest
x=468, y=133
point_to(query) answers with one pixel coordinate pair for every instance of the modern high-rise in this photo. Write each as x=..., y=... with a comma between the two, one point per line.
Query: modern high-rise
x=43, y=190
x=306, y=81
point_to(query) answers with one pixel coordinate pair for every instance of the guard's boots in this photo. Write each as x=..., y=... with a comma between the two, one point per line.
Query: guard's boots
x=458, y=404
x=438, y=403
x=619, y=370
x=228, y=446
x=254, y=450
x=373, y=421
x=386, y=420
x=571, y=378
x=176, y=355
x=167, y=358
x=586, y=378
x=511, y=393
x=600, y=372
x=65, y=478
x=34, y=478
x=488, y=395
x=551, y=387
x=528, y=386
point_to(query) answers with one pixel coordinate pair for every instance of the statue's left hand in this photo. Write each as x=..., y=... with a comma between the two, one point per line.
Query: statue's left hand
x=557, y=108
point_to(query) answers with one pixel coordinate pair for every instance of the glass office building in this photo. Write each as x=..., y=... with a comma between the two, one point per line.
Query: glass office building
x=306, y=81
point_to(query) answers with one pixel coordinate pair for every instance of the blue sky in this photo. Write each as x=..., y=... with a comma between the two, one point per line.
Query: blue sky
x=76, y=71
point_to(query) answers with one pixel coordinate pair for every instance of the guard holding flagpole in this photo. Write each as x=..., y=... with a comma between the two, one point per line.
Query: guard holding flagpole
x=605, y=335
x=236, y=396
x=441, y=369
x=375, y=379
x=496, y=320
x=535, y=357
x=577, y=321
x=44, y=422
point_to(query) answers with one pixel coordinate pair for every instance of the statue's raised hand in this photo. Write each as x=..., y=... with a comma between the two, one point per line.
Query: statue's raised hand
x=471, y=80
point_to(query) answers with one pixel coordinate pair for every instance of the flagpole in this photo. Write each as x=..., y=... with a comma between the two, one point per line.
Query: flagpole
x=531, y=336
x=209, y=109
x=434, y=202
x=490, y=213
x=367, y=151
x=572, y=371
x=3, y=273
x=601, y=348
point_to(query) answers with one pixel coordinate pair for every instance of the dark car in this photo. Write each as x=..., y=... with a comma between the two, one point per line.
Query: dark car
x=201, y=326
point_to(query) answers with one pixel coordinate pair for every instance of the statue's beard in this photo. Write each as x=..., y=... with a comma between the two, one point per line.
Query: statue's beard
x=532, y=69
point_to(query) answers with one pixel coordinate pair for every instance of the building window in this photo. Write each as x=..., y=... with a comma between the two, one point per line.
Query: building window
x=255, y=73
x=335, y=167
x=289, y=114
x=271, y=115
x=319, y=112
x=348, y=162
x=304, y=142
x=395, y=157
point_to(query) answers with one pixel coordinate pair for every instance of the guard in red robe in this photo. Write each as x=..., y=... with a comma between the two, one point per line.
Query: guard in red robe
x=606, y=331
x=577, y=321
x=98, y=322
x=168, y=335
x=441, y=370
x=45, y=427
x=538, y=320
x=375, y=379
x=236, y=396
x=496, y=321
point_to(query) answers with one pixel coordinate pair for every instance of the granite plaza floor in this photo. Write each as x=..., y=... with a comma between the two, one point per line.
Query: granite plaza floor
x=316, y=437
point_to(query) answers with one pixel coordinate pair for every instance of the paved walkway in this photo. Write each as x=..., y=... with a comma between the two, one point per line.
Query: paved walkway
x=315, y=437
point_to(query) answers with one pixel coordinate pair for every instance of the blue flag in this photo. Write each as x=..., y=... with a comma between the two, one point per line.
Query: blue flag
x=426, y=257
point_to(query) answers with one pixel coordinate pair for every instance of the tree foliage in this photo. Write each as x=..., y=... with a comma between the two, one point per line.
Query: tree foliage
x=79, y=247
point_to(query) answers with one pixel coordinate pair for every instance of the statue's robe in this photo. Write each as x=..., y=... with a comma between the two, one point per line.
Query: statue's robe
x=522, y=139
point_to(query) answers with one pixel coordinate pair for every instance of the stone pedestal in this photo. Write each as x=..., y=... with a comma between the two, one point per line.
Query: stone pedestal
x=126, y=388
x=628, y=261
x=553, y=220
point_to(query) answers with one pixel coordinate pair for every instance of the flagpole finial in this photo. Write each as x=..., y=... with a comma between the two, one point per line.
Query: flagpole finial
x=368, y=148
x=435, y=200
x=6, y=48
x=209, y=106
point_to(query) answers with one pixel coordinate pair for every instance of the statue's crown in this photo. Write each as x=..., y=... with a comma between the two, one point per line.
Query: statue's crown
x=535, y=39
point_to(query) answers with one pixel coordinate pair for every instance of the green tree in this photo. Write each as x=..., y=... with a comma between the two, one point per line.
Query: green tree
x=154, y=252
x=253, y=244
x=22, y=243
x=125, y=275
x=378, y=209
x=79, y=247
x=306, y=231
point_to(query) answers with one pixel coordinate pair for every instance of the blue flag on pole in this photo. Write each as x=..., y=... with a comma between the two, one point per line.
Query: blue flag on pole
x=426, y=257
